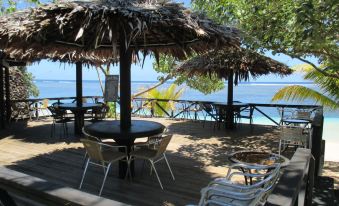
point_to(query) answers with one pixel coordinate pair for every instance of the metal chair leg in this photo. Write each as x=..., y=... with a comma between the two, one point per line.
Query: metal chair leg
x=103, y=182
x=156, y=173
x=83, y=175
x=169, y=166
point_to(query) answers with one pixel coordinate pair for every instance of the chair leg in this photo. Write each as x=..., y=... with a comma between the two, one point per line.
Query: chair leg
x=103, y=182
x=52, y=130
x=66, y=129
x=169, y=166
x=103, y=167
x=156, y=173
x=83, y=175
x=84, y=160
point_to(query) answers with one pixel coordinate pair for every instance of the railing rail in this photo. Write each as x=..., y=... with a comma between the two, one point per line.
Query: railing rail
x=295, y=186
x=28, y=189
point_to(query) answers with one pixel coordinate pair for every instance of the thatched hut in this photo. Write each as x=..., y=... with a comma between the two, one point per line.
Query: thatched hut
x=234, y=65
x=106, y=31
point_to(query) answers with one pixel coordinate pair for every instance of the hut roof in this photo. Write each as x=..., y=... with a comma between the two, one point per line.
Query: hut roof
x=243, y=62
x=90, y=31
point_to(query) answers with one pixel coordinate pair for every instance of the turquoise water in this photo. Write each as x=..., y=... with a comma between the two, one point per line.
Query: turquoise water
x=244, y=92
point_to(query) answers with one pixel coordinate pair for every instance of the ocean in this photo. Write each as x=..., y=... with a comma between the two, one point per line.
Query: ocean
x=249, y=92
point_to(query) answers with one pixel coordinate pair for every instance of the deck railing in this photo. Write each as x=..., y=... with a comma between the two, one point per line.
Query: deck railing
x=190, y=109
x=295, y=186
x=17, y=187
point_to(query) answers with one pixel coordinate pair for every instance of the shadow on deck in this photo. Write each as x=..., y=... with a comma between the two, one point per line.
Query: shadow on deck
x=196, y=154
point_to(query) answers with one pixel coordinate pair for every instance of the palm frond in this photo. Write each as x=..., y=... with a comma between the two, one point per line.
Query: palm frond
x=328, y=84
x=168, y=93
x=300, y=93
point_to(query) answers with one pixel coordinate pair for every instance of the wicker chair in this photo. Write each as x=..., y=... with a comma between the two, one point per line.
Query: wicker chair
x=102, y=155
x=59, y=117
x=225, y=191
x=99, y=114
x=154, y=155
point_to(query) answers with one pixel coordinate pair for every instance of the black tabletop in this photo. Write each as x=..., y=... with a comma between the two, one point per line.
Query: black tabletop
x=297, y=121
x=112, y=130
x=74, y=106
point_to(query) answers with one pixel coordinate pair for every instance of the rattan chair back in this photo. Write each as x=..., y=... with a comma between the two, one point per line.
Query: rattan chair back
x=93, y=149
x=165, y=140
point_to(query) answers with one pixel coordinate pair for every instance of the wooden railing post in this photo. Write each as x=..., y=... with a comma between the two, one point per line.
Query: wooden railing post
x=317, y=133
x=6, y=199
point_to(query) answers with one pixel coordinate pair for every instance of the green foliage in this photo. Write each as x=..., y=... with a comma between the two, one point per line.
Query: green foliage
x=298, y=28
x=28, y=78
x=329, y=97
x=112, y=108
x=203, y=84
x=9, y=6
x=168, y=93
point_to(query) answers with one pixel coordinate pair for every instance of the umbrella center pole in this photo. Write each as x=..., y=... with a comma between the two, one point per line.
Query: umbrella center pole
x=79, y=84
x=229, y=110
x=125, y=84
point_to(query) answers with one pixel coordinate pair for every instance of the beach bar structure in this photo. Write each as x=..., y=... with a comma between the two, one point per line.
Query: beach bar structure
x=104, y=32
x=233, y=65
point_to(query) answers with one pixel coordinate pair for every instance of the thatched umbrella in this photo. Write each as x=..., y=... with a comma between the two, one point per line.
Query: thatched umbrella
x=105, y=31
x=233, y=65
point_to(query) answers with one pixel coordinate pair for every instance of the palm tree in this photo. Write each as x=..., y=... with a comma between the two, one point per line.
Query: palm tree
x=328, y=96
x=168, y=93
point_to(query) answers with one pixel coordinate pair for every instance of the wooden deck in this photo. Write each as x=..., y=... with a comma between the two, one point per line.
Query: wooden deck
x=196, y=155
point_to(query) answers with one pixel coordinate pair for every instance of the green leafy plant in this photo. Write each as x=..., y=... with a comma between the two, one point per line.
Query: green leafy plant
x=205, y=84
x=168, y=93
x=112, y=108
x=28, y=78
x=329, y=86
x=298, y=28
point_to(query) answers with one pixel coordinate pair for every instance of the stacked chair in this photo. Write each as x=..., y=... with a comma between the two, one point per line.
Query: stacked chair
x=227, y=191
x=294, y=136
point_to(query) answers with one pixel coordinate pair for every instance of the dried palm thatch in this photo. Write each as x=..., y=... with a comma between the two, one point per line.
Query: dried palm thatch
x=92, y=31
x=243, y=63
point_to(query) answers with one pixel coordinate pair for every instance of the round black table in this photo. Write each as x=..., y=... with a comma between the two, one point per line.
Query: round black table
x=296, y=121
x=257, y=158
x=79, y=111
x=112, y=130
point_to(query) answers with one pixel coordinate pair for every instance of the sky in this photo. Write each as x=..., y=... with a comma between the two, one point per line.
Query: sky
x=59, y=71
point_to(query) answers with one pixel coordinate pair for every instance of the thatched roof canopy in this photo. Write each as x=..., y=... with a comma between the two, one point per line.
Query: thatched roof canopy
x=90, y=31
x=243, y=62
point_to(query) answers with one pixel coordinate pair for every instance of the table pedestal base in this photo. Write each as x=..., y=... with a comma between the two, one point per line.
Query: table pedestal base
x=78, y=123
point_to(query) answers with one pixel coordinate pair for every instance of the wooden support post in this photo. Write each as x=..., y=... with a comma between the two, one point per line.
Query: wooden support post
x=229, y=112
x=317, y=134
x=78, y=115
x=125, y=83
x=6, y=199
x=2, y=101
x=79, y=83
x=8, y=95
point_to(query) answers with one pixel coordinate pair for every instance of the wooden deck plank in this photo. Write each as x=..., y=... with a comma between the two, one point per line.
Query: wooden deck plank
x=196, y=156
